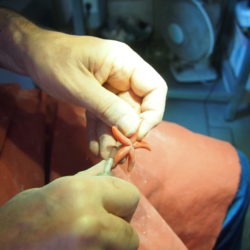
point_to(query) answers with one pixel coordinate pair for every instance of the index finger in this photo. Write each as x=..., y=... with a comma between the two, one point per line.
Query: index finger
x=149, y=85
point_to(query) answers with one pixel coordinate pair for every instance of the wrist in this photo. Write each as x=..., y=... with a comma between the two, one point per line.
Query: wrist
x=16, y=34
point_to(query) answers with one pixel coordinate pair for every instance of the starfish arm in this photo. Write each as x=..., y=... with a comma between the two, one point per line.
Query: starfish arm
x=131, y=159
x=134, y=137
x=122, y=153
x=128, y=147
x=120, y=137
x=142, y=144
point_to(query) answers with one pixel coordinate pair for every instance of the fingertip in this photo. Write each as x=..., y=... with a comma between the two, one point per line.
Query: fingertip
x=106, y=140
x=94, y=147
x=143, y=130
x=94, y=170
x=107, y=151
x=128, y=124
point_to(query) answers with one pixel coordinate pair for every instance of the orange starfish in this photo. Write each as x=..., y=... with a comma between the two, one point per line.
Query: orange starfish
x=127, y=148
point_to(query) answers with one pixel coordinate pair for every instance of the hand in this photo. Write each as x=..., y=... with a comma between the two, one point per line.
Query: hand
x=75, y=212
x=107, y=77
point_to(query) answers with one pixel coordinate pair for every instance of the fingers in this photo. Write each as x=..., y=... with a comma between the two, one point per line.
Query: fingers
x=100, y=138
x=111, y=109
x=149, y=85
x=117, y=196
x=107, y=232
x=107, y=143
x=105, y=193
x=152, y=110
x=132, y=87
x=91, y=133
x=144, y=89
x=132, y=99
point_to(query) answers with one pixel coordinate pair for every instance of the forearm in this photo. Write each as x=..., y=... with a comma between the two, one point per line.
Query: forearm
x=15, y=35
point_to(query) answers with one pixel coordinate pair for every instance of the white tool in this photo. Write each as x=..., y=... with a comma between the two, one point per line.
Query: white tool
x=107, y=167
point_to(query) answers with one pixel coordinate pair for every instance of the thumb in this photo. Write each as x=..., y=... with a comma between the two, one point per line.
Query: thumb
x=111, y=109
x=94, y=170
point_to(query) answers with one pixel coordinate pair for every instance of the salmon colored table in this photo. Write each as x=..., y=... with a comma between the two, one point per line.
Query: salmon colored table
x=187, y=181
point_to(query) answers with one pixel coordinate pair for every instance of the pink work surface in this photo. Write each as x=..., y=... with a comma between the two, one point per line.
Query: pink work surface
x=187, y=181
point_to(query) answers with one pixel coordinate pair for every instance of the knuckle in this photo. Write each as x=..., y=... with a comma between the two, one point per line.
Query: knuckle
x=121, y=48
x=122, y=45
x=90, y=225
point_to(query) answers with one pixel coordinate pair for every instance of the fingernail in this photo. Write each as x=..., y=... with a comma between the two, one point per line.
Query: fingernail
x=128, y=124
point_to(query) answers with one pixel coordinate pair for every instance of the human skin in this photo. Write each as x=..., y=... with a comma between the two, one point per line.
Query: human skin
x=118, y=88
x=84, y=211
x=106, y=77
